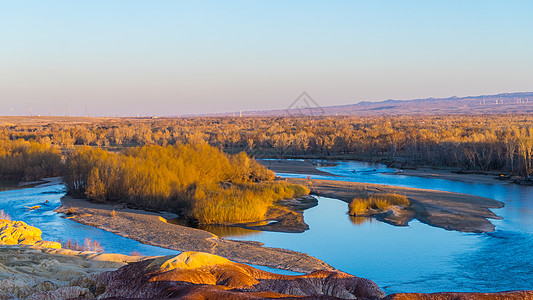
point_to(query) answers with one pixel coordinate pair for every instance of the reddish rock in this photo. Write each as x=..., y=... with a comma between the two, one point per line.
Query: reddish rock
x=515, y=295
x=196, y=275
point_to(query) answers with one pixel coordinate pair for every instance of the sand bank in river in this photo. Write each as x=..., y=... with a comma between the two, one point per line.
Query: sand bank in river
x=449, y=175
x=308, y=167
x=151, y=228
x=451, y=211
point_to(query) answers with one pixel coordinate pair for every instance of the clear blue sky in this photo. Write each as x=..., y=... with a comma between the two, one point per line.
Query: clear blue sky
x=176, y=57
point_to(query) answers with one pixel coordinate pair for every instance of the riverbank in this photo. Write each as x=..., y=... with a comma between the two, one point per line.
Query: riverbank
x=307, y=167
x=38, y=273
x=285, y=216
x=451, y=211
x=36, y=269
x=449, y=174
x=152, y=228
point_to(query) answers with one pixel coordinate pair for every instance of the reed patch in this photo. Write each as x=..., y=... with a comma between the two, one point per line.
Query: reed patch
x=361, y=206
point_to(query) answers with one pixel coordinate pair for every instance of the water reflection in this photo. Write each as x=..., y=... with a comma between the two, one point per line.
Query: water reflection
x=419, y=258
x=359, y=220
x=415, y=258
x=229, y=231
x=221, y=231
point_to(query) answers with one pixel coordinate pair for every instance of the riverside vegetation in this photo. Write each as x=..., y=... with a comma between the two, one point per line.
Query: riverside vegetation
x=24, y=160
x=197, y=180
x=361, y=206
x=498, y=143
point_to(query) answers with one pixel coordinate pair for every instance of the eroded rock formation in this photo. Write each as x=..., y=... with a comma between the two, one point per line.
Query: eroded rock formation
x=196, y=273
x=44, y=273
x=20, y=233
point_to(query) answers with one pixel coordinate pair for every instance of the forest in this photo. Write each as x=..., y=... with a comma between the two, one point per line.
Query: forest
x=29, y=161
x=479, y=143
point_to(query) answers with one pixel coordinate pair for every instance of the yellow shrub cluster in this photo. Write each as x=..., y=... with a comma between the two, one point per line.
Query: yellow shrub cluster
x=198, y=179
x=362, y=205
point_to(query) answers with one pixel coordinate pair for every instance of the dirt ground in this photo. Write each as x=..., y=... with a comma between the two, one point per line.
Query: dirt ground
x=451, y=211
x=308, y=167
x=152, y=228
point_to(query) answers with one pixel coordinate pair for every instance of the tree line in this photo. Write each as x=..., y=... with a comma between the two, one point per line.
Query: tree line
x=502, y=143
x=28, y=161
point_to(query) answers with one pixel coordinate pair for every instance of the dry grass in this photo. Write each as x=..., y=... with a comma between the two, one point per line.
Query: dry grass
x=363, y=205
x=4, y=215
x=243, y=202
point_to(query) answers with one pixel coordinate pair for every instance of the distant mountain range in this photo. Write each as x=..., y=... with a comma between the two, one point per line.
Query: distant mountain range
x=485, y=104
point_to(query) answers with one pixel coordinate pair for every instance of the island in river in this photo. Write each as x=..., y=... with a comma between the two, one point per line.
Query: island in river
x=451, y=211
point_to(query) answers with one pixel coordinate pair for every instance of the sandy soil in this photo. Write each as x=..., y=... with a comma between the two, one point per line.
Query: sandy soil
x=295, y=166
x=451, y=211
x=449, y=175
x=152, y=228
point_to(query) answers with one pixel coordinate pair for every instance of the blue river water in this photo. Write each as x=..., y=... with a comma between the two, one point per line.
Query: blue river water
x=54, y=228
x=416, y=258
x=419, y=258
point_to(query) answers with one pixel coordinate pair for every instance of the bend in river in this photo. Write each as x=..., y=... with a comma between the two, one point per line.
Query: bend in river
x=417, y=258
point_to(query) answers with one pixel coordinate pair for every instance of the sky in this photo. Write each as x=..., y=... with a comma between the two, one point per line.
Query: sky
x=133, y=57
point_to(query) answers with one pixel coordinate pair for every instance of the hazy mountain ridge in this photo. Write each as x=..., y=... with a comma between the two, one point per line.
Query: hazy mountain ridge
x=521, y=102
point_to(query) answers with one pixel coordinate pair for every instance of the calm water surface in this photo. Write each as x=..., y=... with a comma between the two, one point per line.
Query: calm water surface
x=419, y=258
x=15, y=203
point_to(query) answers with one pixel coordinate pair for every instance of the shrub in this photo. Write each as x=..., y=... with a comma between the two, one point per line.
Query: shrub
x=362, y=205
x=358, y=207
x=197, y=179
x=88, y=245
x=241, y=202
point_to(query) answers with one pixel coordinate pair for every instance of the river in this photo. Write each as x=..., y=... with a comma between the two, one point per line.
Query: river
x=416, y=258
x=54, y=228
